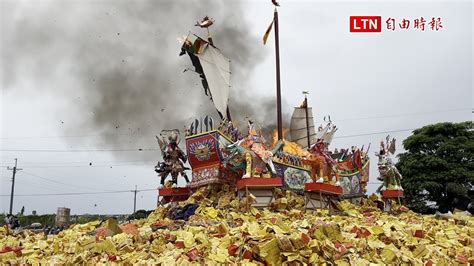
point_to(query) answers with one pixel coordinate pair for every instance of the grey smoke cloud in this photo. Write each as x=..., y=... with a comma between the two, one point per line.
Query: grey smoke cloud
x=118, y=64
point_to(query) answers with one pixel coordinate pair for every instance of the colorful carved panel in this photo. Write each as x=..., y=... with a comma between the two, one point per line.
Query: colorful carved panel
x=202, y=150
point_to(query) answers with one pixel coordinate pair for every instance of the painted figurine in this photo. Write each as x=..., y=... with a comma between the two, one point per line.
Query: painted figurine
x=173, y=157
x=322, y=164
x=253, y=153
x=388, y=172
x=320, y=160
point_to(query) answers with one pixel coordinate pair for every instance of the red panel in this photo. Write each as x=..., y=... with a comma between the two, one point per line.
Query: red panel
x=180, y=191
x=259, y=182
x=392, y=193
x=323, y=187
x=202, y=150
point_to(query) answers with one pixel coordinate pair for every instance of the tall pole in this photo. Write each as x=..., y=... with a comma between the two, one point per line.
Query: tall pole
x=307, y=120
x=278, y=89
x=13, y=184
x=135, y=199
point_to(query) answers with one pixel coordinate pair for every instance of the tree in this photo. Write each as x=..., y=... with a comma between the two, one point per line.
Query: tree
x=439, y=167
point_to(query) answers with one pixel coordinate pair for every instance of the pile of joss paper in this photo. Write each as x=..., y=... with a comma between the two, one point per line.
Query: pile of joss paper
x=228, y=230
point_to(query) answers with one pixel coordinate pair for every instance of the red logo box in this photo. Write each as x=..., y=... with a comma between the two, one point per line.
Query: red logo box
x=365, y=24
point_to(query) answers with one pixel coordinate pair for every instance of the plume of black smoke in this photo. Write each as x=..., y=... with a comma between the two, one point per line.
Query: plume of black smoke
x=121, y=59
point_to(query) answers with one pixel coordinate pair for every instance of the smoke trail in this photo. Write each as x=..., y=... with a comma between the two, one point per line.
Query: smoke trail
x=117, y=63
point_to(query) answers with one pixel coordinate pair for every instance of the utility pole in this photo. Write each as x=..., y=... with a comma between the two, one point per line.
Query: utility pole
x=135, y=199
x=14, y=169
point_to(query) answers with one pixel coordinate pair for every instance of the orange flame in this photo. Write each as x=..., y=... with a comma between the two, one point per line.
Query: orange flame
x=275, y=135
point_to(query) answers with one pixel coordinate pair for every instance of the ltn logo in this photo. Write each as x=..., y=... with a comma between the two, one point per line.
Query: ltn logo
x=365, y=23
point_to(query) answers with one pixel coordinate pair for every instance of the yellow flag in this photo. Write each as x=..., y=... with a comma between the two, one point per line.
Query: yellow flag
x=267, y=32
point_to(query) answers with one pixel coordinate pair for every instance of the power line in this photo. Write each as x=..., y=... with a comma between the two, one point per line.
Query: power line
x=80, y=162
x=57, y=182
x=70, y=136
x=154, y=149
x=142, y=135
x=83, y=166
x=81, y=193
x=36, y=183
x=374, y=133
x=88, y=150
x=402, y=115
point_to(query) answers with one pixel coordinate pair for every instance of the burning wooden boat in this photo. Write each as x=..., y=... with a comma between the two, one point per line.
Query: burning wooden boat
x=221, y=154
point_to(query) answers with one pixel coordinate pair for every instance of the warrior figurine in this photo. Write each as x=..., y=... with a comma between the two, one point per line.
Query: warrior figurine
x=256, y=144
x=388, y=172
x=252, y=153
x=174, y=158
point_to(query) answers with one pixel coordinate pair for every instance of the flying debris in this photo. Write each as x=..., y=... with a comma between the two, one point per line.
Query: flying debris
x=206, y=22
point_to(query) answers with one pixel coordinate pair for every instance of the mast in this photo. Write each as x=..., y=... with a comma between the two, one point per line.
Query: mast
x=278, y=89
x=307, y=118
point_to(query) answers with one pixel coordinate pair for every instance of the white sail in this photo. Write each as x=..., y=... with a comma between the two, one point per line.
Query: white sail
x=298, y=128
x=213, y=68
x=216, y=68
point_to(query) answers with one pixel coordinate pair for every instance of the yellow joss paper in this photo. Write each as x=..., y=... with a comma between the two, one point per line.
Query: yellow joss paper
x=342, y=263
x=186, y=237
x=451, y=233
x=332, y=231
x=105, y=246
x=111, y=227
x=248, y=263
x=420, y=251
x=209, y=212
x=244, y=235
x=388, y=255
x=270, y=251
x=375, y=243
x=376, y=230
x=220, y=257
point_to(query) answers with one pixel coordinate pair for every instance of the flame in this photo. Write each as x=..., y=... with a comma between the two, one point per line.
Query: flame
x=288, y=146
x=294, y=149
x=274, y=135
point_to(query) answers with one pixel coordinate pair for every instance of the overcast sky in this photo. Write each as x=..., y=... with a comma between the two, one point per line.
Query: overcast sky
x=72, y=72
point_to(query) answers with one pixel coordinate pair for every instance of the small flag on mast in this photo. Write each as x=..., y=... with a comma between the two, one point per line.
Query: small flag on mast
x=267, y=33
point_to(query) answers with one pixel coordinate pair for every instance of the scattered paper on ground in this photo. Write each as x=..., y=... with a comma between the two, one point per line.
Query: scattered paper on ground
x=224, y=234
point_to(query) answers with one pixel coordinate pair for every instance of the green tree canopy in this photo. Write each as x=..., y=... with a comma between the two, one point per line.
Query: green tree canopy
x=439, y=167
